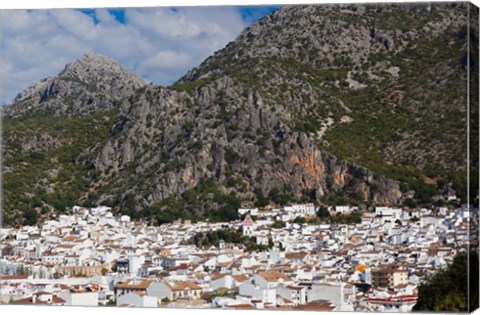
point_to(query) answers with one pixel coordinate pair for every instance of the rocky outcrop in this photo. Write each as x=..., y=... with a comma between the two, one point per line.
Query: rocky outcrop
x=228, y=132
x=359, y=180
x=385, y=40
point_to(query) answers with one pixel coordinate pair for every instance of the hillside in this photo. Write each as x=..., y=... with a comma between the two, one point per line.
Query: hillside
x=394, y=72
x=335, y=103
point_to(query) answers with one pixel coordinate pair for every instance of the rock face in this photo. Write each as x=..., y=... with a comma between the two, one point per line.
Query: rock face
x=227, y=133
x=275, y=110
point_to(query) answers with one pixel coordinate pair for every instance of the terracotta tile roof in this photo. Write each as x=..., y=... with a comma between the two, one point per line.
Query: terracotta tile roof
x=240, y=278
x=216, y=276
x=6, y=277
x=273, y=276
x=242, y=307
x=29, y=300
x=285, y=300
x=70, y=238
x=319, y=305
x=26, y=301
x=130, y=284
x=182, y=285
x=296, y=255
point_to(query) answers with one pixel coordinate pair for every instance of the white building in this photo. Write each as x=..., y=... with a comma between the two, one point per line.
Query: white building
x=137, y=300
x=99, y=211
x=227, y=281
x=174, y=290
x=125, y=220
x=343, y=209
x=333, y=292
x=296, y=294
x=252, y=211
x=301, y=209
x=80, y=298
x=394, y=213
x=256, y=292
x=53, y=258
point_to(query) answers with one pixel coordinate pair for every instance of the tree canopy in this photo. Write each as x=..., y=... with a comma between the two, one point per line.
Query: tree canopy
x=453, y=289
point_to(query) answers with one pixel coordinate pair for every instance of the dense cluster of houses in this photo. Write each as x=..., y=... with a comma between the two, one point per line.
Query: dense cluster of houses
x=92, y=257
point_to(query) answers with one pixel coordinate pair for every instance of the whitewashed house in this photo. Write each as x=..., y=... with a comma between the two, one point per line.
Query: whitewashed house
x=251, y=211
x=307, y=209
x=296, y=294
x=82, y=298
x=256, y=292
x=227, y=281
x=174, y=290
x=137, y=300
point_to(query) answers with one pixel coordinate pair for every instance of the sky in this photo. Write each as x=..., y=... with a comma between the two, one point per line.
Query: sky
x=160, y=44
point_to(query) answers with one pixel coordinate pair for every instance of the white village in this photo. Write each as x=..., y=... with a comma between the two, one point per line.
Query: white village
x=92, y=257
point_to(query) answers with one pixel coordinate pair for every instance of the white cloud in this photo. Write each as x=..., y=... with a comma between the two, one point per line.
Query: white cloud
x=74, y=23
x=160, y=44
x=105, y=17
x=162, y=23
x=165, y=59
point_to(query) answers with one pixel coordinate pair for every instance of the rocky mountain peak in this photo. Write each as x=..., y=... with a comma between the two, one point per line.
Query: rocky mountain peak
x=77, y=87
x=94, y=68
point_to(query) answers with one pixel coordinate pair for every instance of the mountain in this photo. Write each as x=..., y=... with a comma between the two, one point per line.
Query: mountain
x=362, y=104
x=391, y=64
x=90, y=84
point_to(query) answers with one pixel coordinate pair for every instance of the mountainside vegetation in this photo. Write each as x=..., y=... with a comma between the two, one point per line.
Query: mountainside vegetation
x=338, y=104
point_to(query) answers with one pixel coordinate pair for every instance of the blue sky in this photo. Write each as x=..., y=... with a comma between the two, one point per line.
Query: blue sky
x=160, y=44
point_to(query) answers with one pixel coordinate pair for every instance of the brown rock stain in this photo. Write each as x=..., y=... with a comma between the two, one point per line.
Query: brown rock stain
x=308, y=163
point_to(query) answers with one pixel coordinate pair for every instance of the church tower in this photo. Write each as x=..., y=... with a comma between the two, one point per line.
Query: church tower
x=248, y=226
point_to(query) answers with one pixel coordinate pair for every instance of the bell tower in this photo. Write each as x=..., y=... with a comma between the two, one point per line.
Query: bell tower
x=248, y=226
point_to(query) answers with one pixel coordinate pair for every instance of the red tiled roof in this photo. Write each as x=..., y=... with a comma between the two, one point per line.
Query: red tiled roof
x=6, y=277
x=242, y=307
x=315, y=306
